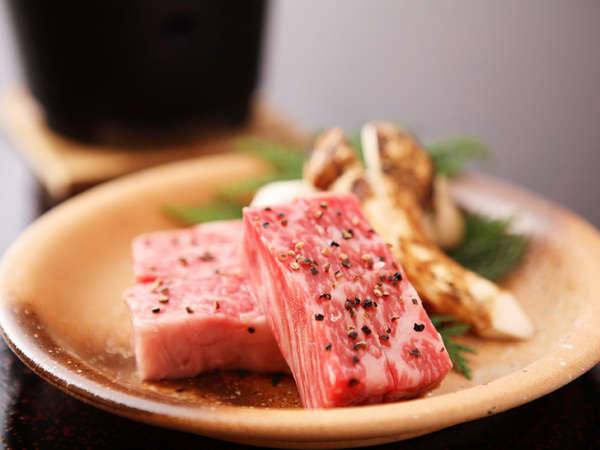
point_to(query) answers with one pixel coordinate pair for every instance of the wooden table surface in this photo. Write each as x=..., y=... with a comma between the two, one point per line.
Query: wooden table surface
x=37, y=415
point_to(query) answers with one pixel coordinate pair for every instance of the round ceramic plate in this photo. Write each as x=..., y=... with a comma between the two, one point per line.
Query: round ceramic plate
x=61, y=312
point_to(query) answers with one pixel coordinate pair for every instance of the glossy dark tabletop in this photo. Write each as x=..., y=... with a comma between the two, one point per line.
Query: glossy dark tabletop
x=38, y=415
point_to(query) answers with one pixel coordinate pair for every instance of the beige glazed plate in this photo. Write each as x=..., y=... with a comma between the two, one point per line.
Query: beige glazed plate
x=61, y=312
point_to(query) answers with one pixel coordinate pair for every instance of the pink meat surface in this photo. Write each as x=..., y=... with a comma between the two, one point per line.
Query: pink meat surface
x=199, y=250
x=183, y=327
x=348, y=322
x=199, y=315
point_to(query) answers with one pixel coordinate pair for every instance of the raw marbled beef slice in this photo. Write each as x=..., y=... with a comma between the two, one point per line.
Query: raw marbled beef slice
x=348, y=322
x=200, y=250
x=186, y=326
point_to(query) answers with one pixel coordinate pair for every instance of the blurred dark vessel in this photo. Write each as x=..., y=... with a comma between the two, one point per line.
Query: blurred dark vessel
x=139, y=65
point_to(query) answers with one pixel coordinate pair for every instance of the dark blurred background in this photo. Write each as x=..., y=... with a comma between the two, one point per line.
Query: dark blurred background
x=522, y=76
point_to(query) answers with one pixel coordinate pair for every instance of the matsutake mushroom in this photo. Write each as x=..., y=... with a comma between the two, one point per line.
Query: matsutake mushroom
x=392, y=192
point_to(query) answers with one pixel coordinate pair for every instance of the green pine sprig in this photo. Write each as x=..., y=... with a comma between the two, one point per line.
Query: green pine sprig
x=286, y=163
x=450, y=156
x=286, y=160
x=489, y=248
x=191, y=215
x=449, y=328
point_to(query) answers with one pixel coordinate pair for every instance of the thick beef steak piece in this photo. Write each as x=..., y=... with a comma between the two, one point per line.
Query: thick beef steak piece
x=348, y=322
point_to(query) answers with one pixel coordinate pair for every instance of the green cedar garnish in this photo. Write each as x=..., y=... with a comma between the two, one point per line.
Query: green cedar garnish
x=449, y=327
x=452, y=155
x=287, y=160
x=242, y=192
x=217, y=210
x=286, y=163
x=488, y=247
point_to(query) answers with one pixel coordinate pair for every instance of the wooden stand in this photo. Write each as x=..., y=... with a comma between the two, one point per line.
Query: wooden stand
x=65, y=166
